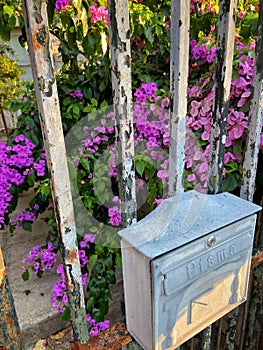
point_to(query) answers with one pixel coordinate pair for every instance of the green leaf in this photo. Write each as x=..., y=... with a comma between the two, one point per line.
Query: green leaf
x=31, y=179
x=94, y=102
x=9, y=10
x=230, y=182
x=149, y=35
x=12, y=228
x=100, y=186
x=27, y=226
x=45, y=190
x=150, y=171
x=85, y=163
x=158, y=31
x=88, y=202
x=107, y=262
x=25, y=275
x=76, y=110
x=30, y=122
x=104, y=104
x=5, y=31
x=237, y=147
x=98, y=316
x=140, y=166
x=103, y=306
x=90, y=302
x=110, y=276
x=101, y=283
x=94, y=292
x=93, y=258
x=66, y=314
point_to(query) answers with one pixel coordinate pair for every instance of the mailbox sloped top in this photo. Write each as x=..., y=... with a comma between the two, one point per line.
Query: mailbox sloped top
x=183, y=218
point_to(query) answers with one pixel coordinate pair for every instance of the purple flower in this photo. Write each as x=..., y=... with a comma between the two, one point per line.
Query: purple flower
x=96, y=327
x=76, y=94
x=62, y=5
x=158, y=201
x=115, y=216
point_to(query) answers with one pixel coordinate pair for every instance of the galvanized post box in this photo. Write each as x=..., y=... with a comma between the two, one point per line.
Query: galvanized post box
x=186, y=265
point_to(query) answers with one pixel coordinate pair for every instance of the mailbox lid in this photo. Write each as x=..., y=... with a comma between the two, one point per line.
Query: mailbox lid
x=184, y=218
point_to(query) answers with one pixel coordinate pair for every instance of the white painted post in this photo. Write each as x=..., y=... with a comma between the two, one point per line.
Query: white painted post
x=36, y=25
x=122, y=99
x=223, y=75
x=179, y=58
x=255, y=119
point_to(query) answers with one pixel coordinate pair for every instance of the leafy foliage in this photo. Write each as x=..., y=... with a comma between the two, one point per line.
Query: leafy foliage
x=84, y=87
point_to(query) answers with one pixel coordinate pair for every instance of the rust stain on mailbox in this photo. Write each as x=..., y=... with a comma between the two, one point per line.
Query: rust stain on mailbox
x=186, y=265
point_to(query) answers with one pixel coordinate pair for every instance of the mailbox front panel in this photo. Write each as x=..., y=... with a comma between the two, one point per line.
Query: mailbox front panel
x=200, y=282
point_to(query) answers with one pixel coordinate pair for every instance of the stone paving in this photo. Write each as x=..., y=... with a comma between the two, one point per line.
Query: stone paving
x=36, y=317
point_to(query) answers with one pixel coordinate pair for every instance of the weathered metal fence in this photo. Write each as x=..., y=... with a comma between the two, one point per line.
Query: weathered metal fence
x=9, y=327
x=243, y=328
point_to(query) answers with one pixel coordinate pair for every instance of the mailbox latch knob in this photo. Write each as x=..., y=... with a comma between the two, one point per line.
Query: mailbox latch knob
x=211, y=241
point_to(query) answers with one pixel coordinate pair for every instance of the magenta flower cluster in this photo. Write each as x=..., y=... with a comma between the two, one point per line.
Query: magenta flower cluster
x=40, y=259
x=59, y=299
x=16, y=162
x=24, y=215
x=203, y=52
x=98, y=13
x=96, y=327
x=114, y=213
x=62, y=5
x=200, y=117
x=75, y=94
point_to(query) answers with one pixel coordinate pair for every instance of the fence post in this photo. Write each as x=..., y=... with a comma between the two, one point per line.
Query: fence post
x=36, y=25
x=10, y=337
x=254, y=119
x=223, y=75
x=179, y=57
x=119, y=29
x=252, y=308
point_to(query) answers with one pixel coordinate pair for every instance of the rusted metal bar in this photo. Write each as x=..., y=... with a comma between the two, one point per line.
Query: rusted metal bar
x=257, y=259
x=247, y=191
x=252, y=327
x=10, y=337
x=119, y=29
x=180, y=22
x=255, y=119
x=36, y=25
x=225, y=50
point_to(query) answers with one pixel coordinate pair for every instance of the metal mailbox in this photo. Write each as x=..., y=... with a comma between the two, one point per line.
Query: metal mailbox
x=186, y=265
